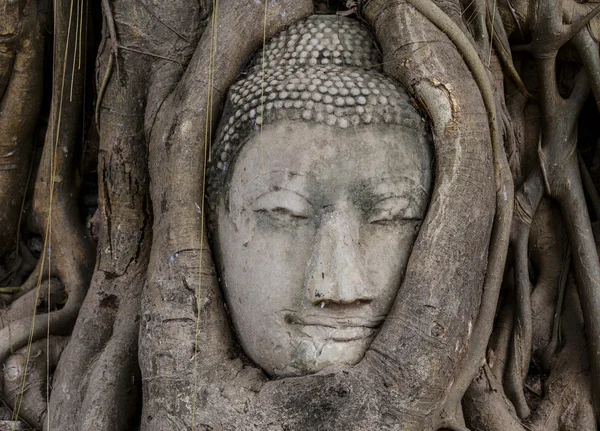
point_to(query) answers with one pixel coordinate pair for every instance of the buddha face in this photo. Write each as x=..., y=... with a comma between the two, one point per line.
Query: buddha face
x=313, y=237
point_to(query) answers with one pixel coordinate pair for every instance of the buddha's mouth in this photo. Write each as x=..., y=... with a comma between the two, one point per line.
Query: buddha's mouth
x=328, y=328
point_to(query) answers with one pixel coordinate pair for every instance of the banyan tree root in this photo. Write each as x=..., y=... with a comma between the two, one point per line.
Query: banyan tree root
x=186, y=351
x=558, y=160
x=103, y=348
x=51, y=294
x=26, y=375
x=527, y=200
x=21, y=74
x=557, y=174
x=567, y=402
x=67, y=243
x=226, y=391
x=104, y=343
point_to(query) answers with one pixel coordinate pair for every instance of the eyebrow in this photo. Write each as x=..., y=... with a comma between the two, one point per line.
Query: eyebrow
x=414, y=182
x=269, y=179
x=286, y=189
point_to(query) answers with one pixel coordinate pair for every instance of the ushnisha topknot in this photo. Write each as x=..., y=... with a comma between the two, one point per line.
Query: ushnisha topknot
x=324, y=69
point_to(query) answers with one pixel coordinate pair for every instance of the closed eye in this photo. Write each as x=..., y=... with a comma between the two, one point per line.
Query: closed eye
x=283, y=205
x=394, y=209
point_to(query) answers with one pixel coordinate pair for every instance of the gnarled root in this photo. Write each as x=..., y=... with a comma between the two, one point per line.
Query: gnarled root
x=67, y=244
x=50, y=295
x=25, y=376
x=104, y=345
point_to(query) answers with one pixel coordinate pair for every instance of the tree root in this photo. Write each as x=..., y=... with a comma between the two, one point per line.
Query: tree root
x=28, y=391
x=26, y=330
x=113, y=57
x=67, y=242
x=552, y=346
x=106, y=397
x=520, y=351
x=567, y=403
x=587, y=48
x=487, y=408
x=568, y=393
x=589, y=187
x=499, y=346
x=504, y=204
x=559, y=164
x=527, y=200
x=21, y=74
x=500, y=42
x=7, y=57
x=181, y=299
x=51, y=294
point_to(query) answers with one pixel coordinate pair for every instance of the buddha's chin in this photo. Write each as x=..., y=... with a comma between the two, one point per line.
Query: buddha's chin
x=312, y=355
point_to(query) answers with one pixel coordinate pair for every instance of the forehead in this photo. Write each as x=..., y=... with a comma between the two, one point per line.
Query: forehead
x=329, y=154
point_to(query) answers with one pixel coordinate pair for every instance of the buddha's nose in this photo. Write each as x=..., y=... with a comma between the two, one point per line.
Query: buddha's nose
x=335, y=270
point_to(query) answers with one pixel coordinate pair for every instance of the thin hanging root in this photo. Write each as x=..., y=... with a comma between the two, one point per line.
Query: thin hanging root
x=151, y=12
x=578, y=25
x=588, y=50
x=505, y=55
x=513, y=12
x=588, y=184
x=102, y=90
x=112, y=30
x=512, y=73
x=114, y=52
x=520, y=354
x=562, y=287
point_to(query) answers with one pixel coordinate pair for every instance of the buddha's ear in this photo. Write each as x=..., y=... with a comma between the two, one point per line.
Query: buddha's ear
x=435, y=316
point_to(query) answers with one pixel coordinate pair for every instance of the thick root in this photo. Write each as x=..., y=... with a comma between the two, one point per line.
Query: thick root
x=21, y=75
x=51, y=294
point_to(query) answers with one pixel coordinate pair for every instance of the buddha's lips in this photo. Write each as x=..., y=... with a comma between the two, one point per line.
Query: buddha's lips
x=335, y=329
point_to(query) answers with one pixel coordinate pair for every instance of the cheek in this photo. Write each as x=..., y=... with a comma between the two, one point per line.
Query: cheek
x=386, y=251
x=264, y=266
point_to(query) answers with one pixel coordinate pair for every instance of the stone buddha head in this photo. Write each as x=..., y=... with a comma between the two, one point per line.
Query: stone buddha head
x=319, y=179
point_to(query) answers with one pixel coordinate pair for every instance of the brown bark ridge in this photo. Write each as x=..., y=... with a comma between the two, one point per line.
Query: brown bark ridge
x=68, y=247
x=103, y=353
x=21, y=75
x=450, y=294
